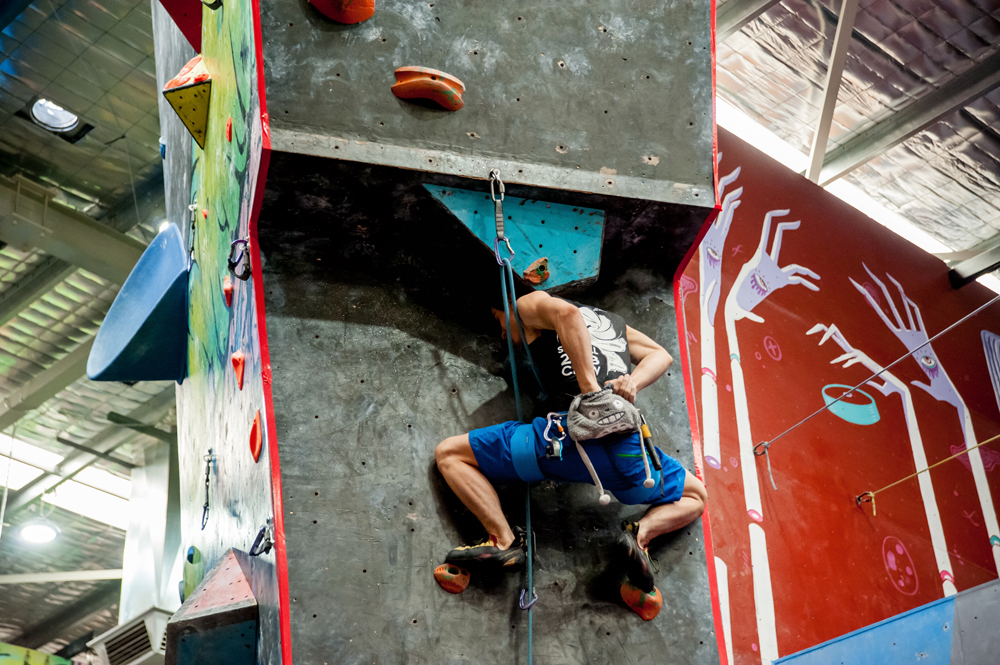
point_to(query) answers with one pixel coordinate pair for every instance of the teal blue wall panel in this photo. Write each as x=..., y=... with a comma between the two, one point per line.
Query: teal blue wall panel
x=570, y=236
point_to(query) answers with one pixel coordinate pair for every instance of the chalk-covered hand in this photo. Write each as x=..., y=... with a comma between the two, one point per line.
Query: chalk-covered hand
x=623, y=386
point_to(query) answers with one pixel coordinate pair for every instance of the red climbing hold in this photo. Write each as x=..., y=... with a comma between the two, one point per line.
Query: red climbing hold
x=646, y=605
x=345, y=11
x=204, y=213
x=227, y=290
x=452, y=578
x=424, y=83
x=229, y=129
x=256, y=440
x=238, y=360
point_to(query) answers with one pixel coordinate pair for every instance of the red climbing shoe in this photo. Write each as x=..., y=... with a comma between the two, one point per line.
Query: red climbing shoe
x=488, y=555
x=640, y=567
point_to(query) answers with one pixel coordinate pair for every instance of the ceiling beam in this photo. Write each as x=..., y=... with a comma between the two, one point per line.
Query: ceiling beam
x=66, y=576
x=148, y=430
x=105, y=595
x=732, y=16
x=919, y=115
x=43, y=277
x=30, y=218
x=105, y=441
x=834, y=75
x=966, y=271
x=128, y=466
x=33, y=394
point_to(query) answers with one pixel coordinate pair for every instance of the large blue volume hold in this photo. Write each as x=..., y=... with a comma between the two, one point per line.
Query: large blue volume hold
x=144, y=335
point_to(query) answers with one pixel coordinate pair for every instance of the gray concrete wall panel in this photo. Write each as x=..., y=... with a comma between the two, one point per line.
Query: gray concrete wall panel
x=976, y=633
x=172, y=52
x=612, y=98
x=381, y=345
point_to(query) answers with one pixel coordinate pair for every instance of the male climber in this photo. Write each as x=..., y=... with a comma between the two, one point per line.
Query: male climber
x=582, y=356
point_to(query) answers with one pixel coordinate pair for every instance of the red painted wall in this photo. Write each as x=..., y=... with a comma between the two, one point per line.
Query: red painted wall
x=833, y=566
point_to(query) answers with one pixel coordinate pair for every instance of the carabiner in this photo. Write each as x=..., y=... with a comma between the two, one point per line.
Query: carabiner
x=496, y=250
x=242, y=258
x=531, y=602
x=495, y=178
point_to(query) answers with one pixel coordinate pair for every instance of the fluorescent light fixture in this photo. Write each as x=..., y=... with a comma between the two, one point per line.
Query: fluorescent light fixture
x=93, y=493
x=752, y=132
x=20, y=474
x=990, y=282
x=105, y=481
x=39, y=530
x=763, y=139
x=89, y=502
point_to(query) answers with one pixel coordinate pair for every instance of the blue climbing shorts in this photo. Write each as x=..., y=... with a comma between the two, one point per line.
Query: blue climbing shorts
x=616, y=458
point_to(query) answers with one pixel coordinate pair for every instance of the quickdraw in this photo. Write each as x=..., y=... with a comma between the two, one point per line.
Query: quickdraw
x=209, y=458
x=497, y=184
x=262, y=544
x=239, y=256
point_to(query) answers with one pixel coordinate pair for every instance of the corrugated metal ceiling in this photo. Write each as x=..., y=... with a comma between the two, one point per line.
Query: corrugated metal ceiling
x=945, y=179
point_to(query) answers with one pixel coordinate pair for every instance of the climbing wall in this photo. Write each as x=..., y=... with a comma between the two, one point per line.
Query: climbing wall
x=610, y=98
x=786, y=265
x=381, y=345
x=213, y=412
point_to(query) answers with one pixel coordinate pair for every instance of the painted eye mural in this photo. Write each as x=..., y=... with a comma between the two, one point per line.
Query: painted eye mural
x=758, y=284
x=714, y=259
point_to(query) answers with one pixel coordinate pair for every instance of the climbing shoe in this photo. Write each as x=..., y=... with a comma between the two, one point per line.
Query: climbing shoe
x=488, y=554
x=640, y=567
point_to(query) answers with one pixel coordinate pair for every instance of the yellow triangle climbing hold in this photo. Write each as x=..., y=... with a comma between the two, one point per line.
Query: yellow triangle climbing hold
x=189, y=93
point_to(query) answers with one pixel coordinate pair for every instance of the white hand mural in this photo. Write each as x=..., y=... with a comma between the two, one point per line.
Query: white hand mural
x=891, y=385
x=913, y=334
x=760, y=277
x=710, y=274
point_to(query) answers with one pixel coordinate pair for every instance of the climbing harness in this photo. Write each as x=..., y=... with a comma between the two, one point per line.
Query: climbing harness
x=869, y=497
x=507, y=277
x=209, y=458
x=761, y=449
x=239, y=257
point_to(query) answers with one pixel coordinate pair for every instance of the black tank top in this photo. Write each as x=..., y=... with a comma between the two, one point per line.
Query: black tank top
x=610, y=355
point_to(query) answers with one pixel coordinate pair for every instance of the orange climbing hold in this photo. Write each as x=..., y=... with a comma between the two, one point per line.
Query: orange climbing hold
x=227, y=290
x=452, y=578
x=537, y=272
x=256, y=438
x=424, y=83
x=345, y=11
x=204, y=213
x=238, y=361
x=646, y=605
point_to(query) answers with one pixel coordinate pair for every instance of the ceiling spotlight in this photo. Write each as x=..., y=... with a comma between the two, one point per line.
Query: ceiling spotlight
x=163, y=225
x=53, y=117
x=39, y=530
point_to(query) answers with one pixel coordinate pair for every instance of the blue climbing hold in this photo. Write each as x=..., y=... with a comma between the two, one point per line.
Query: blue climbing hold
x=144, y=335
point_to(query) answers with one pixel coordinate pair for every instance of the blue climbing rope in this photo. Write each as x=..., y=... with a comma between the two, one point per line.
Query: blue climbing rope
x=507, y=276
x=507, y=280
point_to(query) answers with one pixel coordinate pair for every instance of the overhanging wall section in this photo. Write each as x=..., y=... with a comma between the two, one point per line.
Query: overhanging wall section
x=382, y=344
